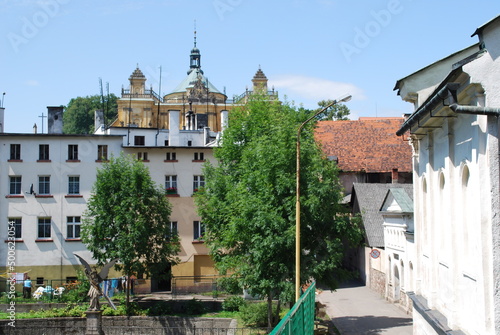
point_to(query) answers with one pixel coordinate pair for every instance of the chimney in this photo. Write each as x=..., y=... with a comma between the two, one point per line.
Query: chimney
x=2, y=110
x=98, y=120
x=35, y=129
x=173, y=128
x=395, y=176
x=55, y=119
x=224, y=116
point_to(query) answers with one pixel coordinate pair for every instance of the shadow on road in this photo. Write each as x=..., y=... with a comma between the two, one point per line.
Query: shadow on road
x=369, y=325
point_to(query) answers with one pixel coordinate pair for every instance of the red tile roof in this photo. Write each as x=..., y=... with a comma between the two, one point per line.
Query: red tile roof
x=368, y=144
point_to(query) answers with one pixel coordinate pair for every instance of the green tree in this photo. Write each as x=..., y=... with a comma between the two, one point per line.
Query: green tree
x=335, y=112
x=128, y=218
x=78, y=116
x=248, y=204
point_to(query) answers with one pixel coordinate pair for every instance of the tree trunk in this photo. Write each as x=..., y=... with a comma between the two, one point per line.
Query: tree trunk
x=127, y=306
x=269, y=311
x=277, y=315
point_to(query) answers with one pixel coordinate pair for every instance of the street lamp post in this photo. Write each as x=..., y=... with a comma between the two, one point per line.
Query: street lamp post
x=297, y=203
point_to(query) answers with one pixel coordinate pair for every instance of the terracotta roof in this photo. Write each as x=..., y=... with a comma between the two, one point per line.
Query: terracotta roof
x=368, y=144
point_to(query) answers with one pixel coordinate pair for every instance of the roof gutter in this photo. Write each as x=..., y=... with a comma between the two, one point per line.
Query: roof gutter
x=460, y=109
x=429, y=105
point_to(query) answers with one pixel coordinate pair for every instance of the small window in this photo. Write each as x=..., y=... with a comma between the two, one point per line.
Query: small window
x=173, y=230
x=15, y=185
x=171, y=156
x=199, y=156
x=139, y=140
x=73, y=152
x=74, y=185
x=190, y=143
x=43, y=152
x=39, y=281
x=198, y=182
x=166, y=143
x=142, y=156
x=43, y=185
x=44, y=228
x=73, y=227
x=16, y=226
x=15, y=152
x=102, y=152
x=171, y=184
x=198, y=231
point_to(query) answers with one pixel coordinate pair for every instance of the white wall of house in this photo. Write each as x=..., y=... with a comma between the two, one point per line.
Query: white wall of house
x=456, y=195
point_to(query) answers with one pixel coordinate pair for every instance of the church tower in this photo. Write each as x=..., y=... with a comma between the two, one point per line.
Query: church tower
x=137, y=82
x=259, y=82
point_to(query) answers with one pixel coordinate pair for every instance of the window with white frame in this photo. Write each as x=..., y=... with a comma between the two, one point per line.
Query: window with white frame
x=17, y=227
x=173, y=230
x=73, y=152
x=44, y=227
x=102, y=152
x=15, y=152
x=74, y=185
x=171, y=156
x=73, y=227
x=198, y=230
x=171, y=184
x=142, y=156
x=43, y=152
x=198, y=182
x=199, y=156
x=43, y=185
x=15, y=185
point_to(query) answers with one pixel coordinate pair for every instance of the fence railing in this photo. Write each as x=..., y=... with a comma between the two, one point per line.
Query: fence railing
x=119, y=330
x=207, y=285
x=300, y=319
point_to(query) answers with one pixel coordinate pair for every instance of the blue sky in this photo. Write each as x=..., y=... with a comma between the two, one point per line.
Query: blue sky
x=54, y=50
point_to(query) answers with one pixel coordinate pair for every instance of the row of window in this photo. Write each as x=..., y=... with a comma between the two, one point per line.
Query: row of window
x=44, y=152
x=73, y=224
x=44, y=227
x=15, y=183
x=171, y=183
x=102, y=153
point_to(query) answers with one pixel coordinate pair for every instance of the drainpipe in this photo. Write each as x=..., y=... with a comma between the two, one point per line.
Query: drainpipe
x=460, y=109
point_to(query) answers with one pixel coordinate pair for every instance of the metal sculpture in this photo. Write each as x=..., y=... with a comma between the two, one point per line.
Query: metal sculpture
x=95, y=279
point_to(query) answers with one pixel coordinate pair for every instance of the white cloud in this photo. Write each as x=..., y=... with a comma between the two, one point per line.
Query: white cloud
x=315, y=88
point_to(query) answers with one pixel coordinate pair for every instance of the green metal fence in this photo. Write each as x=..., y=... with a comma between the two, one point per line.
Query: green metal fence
x=300, y=319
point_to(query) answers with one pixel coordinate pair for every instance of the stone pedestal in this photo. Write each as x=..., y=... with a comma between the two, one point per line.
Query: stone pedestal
x=94, y=323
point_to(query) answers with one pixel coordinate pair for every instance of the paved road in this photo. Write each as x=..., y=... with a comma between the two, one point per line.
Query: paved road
x=357, y=310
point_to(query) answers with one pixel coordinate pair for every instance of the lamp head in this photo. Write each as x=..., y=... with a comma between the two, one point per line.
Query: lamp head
x=344, y=98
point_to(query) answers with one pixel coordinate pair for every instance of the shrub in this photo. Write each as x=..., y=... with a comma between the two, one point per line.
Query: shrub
x=160, y=308
x=255, y=314
x=233, y=304
x=229, y=285
x=195, y=307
